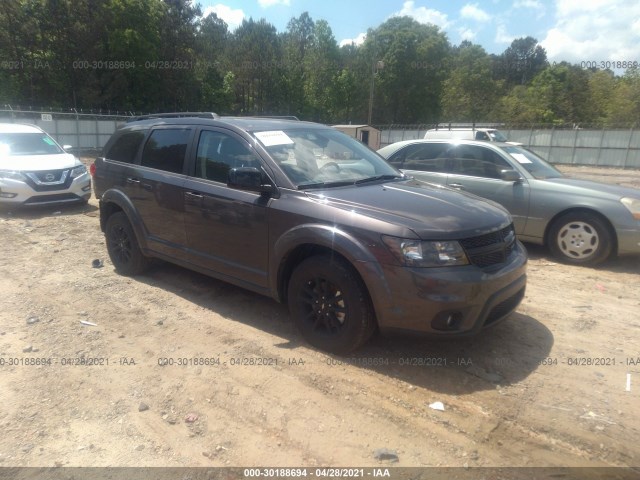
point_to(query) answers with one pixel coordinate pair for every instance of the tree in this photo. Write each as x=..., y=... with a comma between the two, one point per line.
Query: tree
x=522, y=61
x=211, y=68
x=624, y=106
x=469, y=93
x=257, y=50
x=321, y=66
x=414, y=57
x=296, y=42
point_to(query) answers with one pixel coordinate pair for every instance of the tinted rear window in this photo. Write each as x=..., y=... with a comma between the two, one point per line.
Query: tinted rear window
x=165, y=149
x=125, y=147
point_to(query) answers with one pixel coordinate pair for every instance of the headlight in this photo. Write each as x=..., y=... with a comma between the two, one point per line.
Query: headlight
x=416, y=253
x=633, y=205
x=11, y=175
x=77, y=171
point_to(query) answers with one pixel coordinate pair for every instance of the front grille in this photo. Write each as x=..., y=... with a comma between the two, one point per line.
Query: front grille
x=49, y=180
x=491, y=249
x=49, y=176
x=505, y=307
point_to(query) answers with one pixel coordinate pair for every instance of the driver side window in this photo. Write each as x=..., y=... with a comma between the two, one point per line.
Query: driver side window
x=218, y=153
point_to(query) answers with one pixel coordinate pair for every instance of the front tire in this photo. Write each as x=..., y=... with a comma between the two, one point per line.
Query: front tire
x=330, y=305
x=580, y=238
x=123, y=248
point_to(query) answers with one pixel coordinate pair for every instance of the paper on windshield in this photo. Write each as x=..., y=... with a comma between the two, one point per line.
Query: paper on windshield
x=521, y=158
x=274, y=137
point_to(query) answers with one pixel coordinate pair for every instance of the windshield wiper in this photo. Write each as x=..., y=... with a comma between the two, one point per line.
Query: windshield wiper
x=325, y=184
x=378, y=177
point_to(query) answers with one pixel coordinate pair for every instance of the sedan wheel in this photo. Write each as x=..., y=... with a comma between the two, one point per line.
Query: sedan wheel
x=581, y=239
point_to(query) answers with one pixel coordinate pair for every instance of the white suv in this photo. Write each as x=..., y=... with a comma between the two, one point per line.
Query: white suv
x=35, y=170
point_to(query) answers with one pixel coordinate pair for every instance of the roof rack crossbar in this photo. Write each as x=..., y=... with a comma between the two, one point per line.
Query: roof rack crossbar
x=174, y=115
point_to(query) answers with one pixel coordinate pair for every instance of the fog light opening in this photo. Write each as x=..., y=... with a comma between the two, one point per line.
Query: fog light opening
x=447, y=321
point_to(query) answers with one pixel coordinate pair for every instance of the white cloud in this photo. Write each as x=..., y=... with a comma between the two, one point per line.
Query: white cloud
x=533, y=4
x=423, y=14
x=502, y=36
x=473, y=12
x=270, y=3
x=359, y=40
x=232, y=17
x=597, y=30
x=467, y=34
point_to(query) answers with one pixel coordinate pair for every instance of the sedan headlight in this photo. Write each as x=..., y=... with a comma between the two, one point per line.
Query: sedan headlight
x=77, y=171
x=417, y=253
x=633, y=205
x=11, y=175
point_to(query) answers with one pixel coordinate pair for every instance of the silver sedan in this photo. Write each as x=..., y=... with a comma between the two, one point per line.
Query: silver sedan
x=581, y=222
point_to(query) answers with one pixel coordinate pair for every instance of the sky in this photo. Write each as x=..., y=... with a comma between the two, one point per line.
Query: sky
x=576, y=31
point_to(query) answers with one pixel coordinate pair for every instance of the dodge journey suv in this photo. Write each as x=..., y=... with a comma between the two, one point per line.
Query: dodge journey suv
x=309, y=216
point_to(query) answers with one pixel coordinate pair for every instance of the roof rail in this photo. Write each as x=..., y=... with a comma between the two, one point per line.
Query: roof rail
x=278, y=117
x=468, y=125
x=174, y=115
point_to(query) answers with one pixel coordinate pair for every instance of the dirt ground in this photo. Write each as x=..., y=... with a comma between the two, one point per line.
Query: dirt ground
x=176, y=369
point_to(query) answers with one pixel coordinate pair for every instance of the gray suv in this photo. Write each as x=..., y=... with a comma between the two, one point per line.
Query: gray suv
x=309, y=216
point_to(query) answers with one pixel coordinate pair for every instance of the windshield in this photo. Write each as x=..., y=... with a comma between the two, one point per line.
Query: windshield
x=314, y=158
x=497, y=136
x=27, y=144
x=532, y=163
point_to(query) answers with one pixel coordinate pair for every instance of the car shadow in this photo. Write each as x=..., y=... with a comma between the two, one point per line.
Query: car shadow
x=625, y=264
x=41, y=211
x=502, y=355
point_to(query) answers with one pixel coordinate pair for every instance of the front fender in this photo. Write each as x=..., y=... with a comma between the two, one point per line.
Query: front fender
x=357, y=251
x=116, y=198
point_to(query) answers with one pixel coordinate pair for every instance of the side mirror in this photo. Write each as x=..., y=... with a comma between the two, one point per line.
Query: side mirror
x=509, y=175
x=249, y=178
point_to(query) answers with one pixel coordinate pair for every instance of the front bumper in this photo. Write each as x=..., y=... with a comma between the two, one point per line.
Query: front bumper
x=18, y=193
x=449, y=301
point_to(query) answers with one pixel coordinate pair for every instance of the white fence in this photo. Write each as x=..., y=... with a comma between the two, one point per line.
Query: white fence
x=81, y=131
x=598, y=147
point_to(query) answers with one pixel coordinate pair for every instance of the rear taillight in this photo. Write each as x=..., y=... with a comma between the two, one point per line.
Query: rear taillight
x=92, y=169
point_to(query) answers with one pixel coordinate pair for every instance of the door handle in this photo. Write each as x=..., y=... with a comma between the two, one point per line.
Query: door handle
x=457, y=186
x=132, y=180
x=193, y=195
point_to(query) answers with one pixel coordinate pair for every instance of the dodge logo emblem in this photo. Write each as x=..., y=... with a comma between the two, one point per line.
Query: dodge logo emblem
x=49, y=177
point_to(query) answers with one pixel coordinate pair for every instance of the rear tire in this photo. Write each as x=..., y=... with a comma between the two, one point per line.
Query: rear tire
x=330, y=305
x=580, y=238
x=123, y=248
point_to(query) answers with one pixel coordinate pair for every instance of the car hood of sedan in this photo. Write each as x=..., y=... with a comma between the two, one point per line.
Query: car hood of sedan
x=595, y=189
x=431, y=211
x=31, y=163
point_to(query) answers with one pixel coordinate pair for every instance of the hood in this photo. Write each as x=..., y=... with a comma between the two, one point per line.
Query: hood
x=30, y=163
x=431, y=211
x=595, y=189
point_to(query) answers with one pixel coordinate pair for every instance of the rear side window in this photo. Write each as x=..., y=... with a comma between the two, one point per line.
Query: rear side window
x=425, y=157
x=125, y=147
x=477, y=161
x=166, y=149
